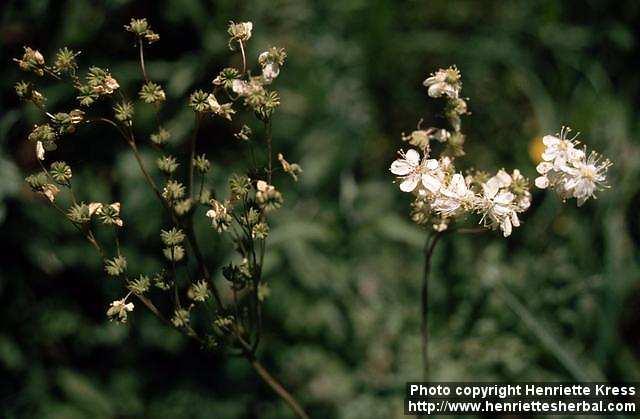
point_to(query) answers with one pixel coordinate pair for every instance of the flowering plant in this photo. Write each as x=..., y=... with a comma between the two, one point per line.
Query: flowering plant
x=444, y=197
x=184, y=294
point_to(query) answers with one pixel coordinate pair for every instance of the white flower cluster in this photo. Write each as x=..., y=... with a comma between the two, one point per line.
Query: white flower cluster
x=442, y=194
x=569, y=170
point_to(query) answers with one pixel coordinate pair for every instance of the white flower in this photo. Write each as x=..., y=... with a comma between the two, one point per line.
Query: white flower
x=561, y=150
x=118, y=310
x=502, y=179
x=412, y=172
x=240, y=87
x=523, y=197
x=39, y=150
x=270, y=71
x=247, y=88
x=454, y=197
x=444, y=82
x=497, y=204
x=270, y=67
x=586, y=177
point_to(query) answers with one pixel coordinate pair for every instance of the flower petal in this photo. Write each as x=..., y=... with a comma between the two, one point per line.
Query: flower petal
x=413, y=157
x=542, y=182
x=409, y=183
x=550, y=140
x=401, y=167
x=544, y=167
x=504, y=198
x=458, y=185
x=431, y=164
x=431, y=183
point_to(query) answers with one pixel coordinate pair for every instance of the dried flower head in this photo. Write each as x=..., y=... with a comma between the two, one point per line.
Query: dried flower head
x=79, y=213
x=108, y=214
x=116, y=266
x=161, y=137
x=268, y=196
x=101, y=82
x=141, y=28
x=173, y=190
x=180, y=317
x=220, y=217
x=202, y=164
x=172, y=237
x=65, y=61
x=152, y=93
x=167, y=164
x=198, y=101
x=226, y=77
x=260, y=231
x=61, y=172
x=140, y=285
x=199, y=291
x=124, y=112
x=239, y=32
x=32, y=60
x=293, y=169
x=119, y=309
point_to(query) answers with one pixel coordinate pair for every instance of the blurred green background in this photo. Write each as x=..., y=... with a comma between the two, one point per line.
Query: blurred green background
x=558, y=300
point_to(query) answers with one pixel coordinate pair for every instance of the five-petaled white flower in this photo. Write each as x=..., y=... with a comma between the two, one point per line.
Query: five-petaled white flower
x=586, y=177
x=497, y=204
x=561, y=149
x=412, y=171
x=454, y=197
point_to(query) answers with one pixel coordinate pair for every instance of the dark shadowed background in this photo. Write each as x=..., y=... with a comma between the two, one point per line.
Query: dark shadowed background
x=558, y=300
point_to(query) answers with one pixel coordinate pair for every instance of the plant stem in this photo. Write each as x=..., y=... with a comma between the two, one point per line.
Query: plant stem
x=271, y=380
x=429, y=247
x=142, y=66
x=244, y=58
x=192, y=154
x=269, y=152
x=278, y=388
